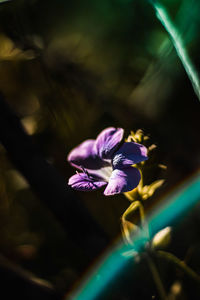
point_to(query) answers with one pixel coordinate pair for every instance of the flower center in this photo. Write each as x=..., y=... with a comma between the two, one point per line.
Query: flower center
x=105, y=173
x=100, y=174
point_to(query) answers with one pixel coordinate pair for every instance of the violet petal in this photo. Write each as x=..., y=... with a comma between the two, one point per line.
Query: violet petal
x=122, y=181
x=84, y=156
x=129, y=154
x=107, y=141
x=83, y=182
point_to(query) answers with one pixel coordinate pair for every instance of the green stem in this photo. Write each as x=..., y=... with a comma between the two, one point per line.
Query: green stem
x=134, y=206
x=177, y=41
x=156, y=277
x=179, y=263
x=142, y=214
x=152, y=266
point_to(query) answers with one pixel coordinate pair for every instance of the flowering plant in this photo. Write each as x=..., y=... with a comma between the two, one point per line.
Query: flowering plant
x=107, y=161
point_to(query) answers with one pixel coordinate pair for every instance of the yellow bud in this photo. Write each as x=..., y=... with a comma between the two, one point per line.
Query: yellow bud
x=162, y=238
x=148, y=190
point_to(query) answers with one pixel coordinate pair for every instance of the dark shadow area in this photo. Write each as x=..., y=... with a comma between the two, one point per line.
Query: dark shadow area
x=69, y=69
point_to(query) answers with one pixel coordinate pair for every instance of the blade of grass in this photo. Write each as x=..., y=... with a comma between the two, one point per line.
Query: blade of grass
x=178, y=43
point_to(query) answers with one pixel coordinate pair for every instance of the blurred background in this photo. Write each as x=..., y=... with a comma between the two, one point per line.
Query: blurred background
x=69, y=69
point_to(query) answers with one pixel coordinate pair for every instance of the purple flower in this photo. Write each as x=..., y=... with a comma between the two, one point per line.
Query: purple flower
x=107, y=161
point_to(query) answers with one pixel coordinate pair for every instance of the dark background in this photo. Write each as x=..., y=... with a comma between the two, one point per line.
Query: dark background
x=69, y=69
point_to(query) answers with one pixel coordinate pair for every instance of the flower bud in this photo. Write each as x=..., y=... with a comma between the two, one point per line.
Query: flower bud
x=162, y=238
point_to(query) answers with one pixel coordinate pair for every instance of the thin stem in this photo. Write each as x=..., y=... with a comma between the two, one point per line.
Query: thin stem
x=138, y=205
x=133, y=207
x=142, y=213
x=156, y=277
x=144, y=224
x=179, y=263
x=141, y=183
x=152, y=266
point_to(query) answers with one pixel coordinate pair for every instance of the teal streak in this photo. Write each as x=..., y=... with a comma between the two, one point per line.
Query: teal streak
x=179, y=45
x=172, y=209
x=176, y=205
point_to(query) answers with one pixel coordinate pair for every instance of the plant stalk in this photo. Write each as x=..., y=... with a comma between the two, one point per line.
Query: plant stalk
x=179, y=263
x=156, y=277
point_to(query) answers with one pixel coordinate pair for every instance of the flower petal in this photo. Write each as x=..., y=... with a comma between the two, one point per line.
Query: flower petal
x=83, y=182
x=129, y=154
x=122, y=181
x=107, y=141
x=84, y=155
